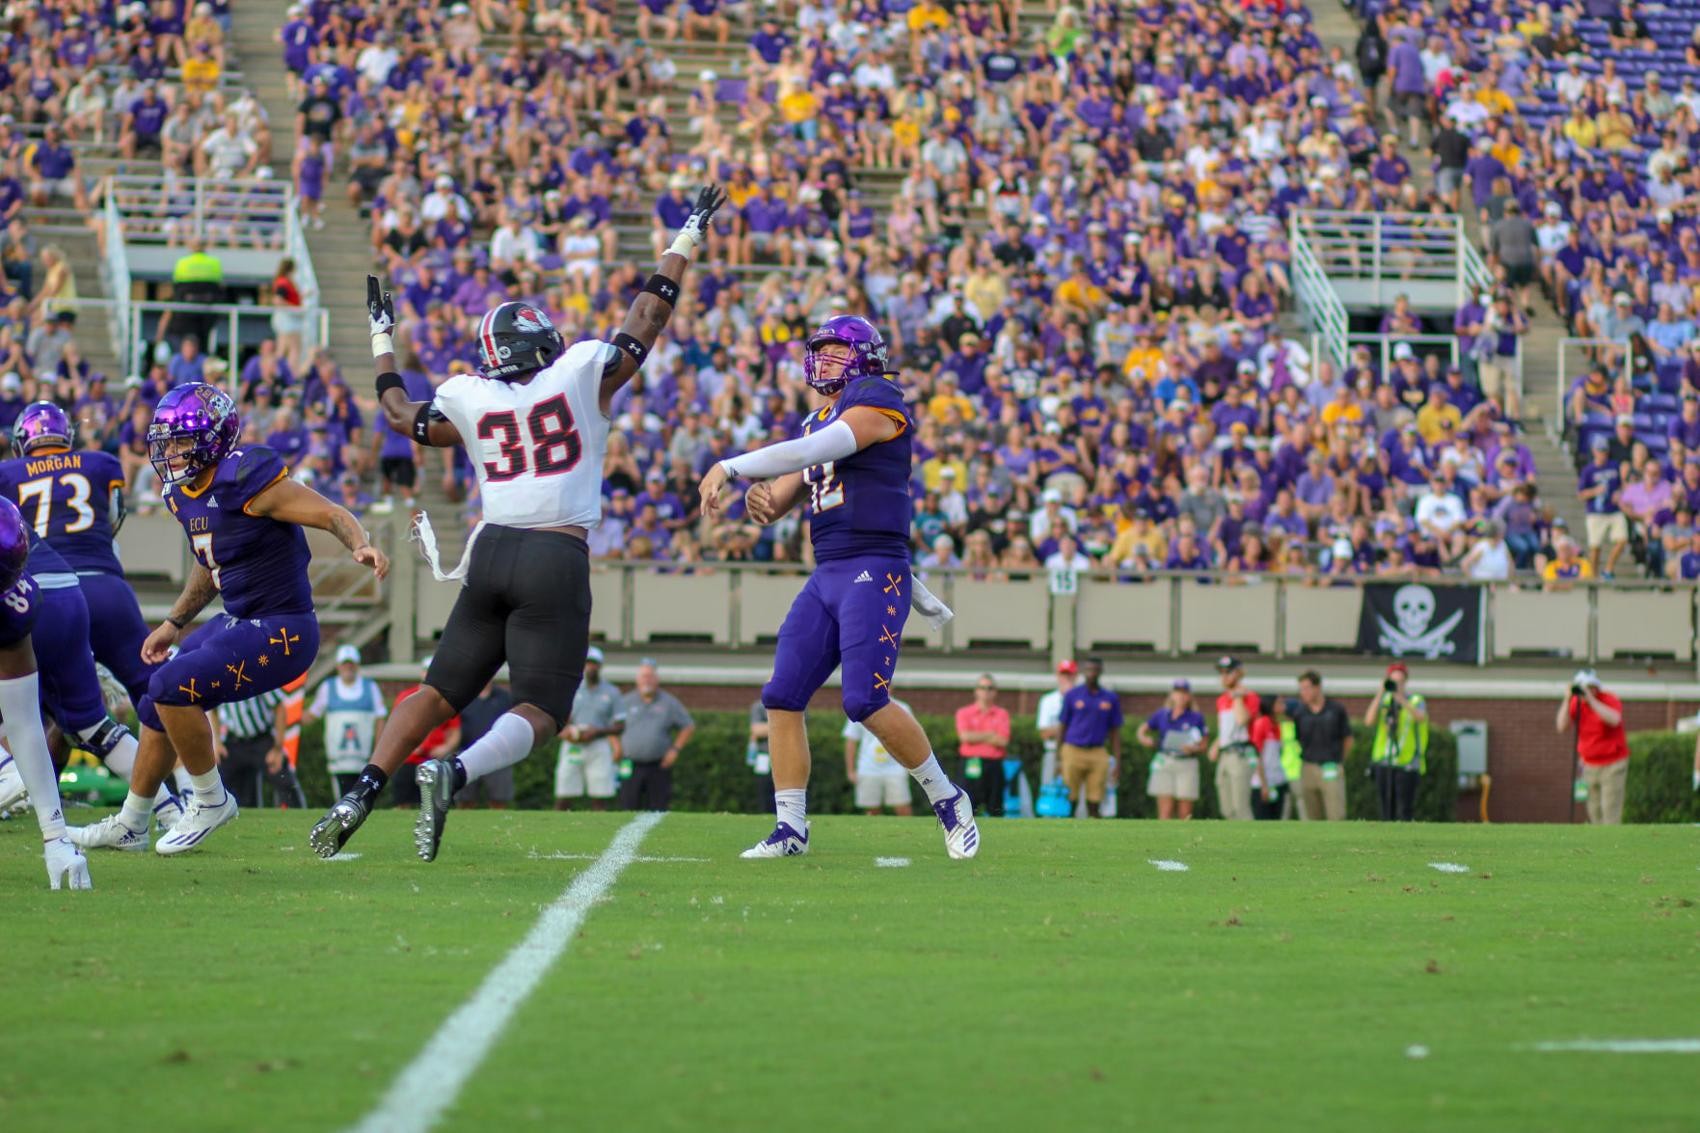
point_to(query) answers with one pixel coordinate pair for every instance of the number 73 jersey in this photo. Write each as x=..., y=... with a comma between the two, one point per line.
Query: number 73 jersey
x=861, y=505
x=67, y=498
x=537, y=446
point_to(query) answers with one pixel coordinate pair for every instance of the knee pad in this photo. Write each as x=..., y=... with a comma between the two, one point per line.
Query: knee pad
x=103, y=737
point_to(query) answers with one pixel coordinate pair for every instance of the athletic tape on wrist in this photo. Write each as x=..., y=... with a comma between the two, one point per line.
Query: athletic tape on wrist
x=683, y=245
x=382, y=344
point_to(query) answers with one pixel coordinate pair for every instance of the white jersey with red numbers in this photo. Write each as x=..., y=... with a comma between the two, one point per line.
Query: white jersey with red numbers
x=537, y=446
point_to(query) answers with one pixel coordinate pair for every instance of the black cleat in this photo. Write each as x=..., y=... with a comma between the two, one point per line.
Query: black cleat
x=436, y=778
x=332, y=832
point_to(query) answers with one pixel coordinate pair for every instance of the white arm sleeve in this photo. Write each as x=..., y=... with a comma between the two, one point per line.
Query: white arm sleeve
x=835, y=442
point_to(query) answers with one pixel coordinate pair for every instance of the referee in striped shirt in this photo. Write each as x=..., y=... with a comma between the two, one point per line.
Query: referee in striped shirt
x=250, y=750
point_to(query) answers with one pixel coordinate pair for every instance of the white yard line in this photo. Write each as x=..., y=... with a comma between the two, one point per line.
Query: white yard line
x=891, y=863
x=1168, y=866
x=429, y=1084
x=564, y=857
x=1624, y=1046
x=1449, y=867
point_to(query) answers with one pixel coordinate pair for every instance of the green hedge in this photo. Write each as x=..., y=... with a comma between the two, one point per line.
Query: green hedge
x=712, y=775
x=1661, y=782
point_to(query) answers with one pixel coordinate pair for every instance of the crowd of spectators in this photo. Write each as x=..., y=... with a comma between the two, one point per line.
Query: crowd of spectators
x=1570, y=131
x=1072, y=230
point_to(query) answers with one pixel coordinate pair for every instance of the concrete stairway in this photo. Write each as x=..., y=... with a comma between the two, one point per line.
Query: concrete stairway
x=341, y=251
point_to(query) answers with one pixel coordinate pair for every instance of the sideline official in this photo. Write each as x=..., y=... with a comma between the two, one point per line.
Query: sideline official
x=1325, y=734
x=1601, y=743
x=1091, y=737
x=1400, y=747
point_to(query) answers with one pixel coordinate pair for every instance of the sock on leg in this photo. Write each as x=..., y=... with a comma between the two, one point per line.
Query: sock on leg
x=371, y=783
x=121, y=760
x=208, y=788
x=137, y=812
x=507, y=742
x=20, y=705
x=792, y=807
x=933, y=780
x=180, y=776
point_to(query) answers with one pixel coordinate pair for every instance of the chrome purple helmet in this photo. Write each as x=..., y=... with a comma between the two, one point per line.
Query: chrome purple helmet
x=42, y=423
x=201, y=414
x=14, y=544
x=855, y=332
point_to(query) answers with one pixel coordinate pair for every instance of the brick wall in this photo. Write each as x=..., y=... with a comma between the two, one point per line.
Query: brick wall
x=1530, y=764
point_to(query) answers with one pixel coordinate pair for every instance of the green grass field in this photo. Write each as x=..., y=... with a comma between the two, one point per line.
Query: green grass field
x=1278, y=983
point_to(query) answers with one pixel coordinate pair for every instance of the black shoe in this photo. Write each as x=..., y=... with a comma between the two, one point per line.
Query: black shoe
x=436, y=779
x=332, y=832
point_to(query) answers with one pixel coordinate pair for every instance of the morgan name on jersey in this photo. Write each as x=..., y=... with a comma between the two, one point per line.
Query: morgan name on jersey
x=537, y=446
x=67, y=498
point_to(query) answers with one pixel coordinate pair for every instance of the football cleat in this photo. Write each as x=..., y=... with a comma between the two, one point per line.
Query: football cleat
x=436, y=779
x=66, y=865
x=108, y=834
x=167, y=814
x=956, y=815
x=332, y=832
x=784, y=842
x=13, y=797
x=199, y=819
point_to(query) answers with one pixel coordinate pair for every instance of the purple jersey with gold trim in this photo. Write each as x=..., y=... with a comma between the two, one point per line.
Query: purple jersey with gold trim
x=67, y=498
x=860, y=506
x=259, y=565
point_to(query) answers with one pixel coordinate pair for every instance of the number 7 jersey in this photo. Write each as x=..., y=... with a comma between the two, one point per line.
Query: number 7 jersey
x=861, y=505
x=67, y=498
x=537, y=446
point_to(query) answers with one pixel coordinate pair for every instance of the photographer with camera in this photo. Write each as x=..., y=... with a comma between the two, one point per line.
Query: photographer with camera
x=1400, y=720
x=1602, y=744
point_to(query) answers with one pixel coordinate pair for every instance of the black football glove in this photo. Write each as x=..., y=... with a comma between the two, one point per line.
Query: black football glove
x=695, y=229
x=380, y=308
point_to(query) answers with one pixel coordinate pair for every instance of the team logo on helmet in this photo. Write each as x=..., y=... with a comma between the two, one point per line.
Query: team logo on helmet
x=532, y=321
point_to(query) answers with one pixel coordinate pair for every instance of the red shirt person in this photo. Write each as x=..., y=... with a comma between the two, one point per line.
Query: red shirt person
x=1602, y=744
x=982, y=733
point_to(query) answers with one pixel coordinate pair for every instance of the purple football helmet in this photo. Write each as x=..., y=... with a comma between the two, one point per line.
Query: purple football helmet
x=14, y=544
x=201, y=414
x=42, y=423
x=855, y=332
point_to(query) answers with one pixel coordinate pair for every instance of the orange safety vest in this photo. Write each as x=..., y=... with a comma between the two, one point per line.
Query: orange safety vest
x=294, y=704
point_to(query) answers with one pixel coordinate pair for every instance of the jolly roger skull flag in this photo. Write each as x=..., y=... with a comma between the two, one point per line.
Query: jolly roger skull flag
x=1432, y=623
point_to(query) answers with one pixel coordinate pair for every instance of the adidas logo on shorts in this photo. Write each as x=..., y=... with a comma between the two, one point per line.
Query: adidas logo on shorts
x=864, y=577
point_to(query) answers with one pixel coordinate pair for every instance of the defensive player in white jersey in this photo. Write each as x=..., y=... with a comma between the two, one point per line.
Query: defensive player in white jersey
x=535, y=424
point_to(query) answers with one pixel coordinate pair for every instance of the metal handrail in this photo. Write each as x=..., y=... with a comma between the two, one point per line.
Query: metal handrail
x=1389, y=249
x=125, y=313
x=214, y=203
x=1319, y=302
x=1384, y=343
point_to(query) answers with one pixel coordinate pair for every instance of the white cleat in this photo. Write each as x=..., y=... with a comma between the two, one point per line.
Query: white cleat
x=108, y=834
x=784, y=842
x=14, y=799
x=167, y=814
x=956, y=815
x=197, y=822
x=66, y=866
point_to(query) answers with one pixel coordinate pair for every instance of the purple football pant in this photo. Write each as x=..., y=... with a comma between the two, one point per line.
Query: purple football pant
x=230, y=659
x=850, y=615
x=70, y=687
x=116, y=630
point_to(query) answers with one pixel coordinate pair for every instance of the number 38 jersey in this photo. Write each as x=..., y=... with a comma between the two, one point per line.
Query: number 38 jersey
x=537, y=446
x=67, y=498
x=861, y=505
